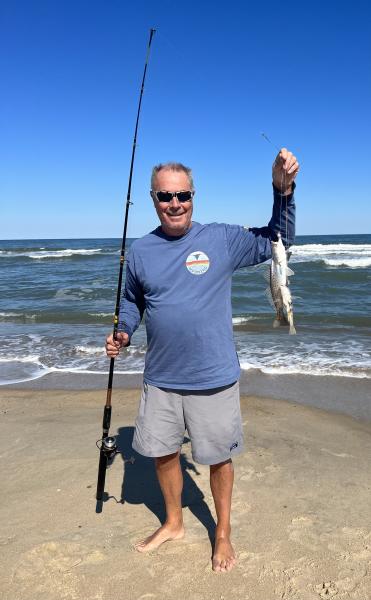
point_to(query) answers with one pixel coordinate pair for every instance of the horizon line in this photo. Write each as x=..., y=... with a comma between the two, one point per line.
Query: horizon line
x=135, y=238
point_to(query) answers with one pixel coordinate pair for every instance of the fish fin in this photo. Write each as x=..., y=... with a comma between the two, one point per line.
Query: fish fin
x=292, y=330
x=280, y=318
x=280, y=322
x=289, y=271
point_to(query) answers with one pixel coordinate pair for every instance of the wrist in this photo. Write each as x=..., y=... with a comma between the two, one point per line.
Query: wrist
x=124, y=337
x=288, y=191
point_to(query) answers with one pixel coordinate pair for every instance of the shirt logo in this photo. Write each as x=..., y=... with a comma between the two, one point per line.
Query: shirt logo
x=197, y=263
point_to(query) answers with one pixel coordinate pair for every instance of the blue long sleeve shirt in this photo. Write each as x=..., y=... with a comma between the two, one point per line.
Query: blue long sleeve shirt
x=184, y=286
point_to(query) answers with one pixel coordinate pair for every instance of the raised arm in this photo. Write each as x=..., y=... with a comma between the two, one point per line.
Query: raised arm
x=252, y=246
x=284, y=170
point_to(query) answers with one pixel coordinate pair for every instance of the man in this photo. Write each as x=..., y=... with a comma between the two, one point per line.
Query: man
x=181, y=275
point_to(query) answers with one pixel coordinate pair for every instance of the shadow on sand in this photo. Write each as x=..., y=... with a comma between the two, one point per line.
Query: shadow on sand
x=140, y=485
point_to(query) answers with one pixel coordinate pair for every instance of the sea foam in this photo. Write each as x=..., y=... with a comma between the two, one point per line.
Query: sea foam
x=65, y=253
x=334, y=255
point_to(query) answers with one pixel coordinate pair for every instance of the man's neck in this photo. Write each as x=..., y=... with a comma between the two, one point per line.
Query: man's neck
x=175, y=235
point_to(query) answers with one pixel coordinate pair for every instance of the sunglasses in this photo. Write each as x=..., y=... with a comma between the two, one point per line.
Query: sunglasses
x=163, y=196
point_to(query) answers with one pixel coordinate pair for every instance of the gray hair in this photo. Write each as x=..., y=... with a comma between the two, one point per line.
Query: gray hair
x=171, y=166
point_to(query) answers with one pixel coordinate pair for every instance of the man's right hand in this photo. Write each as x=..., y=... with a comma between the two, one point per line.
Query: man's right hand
x=113, y=346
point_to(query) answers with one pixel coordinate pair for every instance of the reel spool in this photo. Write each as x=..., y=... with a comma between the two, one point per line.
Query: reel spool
x=108, y=446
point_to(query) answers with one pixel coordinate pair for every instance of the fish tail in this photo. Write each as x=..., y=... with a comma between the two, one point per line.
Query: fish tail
x=292, y=330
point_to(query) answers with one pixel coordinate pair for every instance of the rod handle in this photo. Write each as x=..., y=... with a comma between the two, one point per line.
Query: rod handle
x=101, y=475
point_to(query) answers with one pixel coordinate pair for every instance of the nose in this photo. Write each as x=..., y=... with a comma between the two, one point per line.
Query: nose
x=174, y=202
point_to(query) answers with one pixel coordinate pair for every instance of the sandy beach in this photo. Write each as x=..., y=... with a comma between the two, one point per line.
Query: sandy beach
x=301, y=508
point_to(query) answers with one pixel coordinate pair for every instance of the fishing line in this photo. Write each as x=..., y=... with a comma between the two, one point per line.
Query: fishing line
x=287, y=233
x=264, y=135
x=108, y=446
x=188, y=65
x=283, y=187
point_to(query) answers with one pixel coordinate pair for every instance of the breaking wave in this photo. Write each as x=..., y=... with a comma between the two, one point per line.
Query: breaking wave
x=39, y=254
x=13, y=316
x=334, y=255
x=353, y=263
x=241, y=320
x=95, y=350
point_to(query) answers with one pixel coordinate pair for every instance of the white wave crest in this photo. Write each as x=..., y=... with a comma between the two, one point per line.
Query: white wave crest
x=136, y=350
x=39, y=254
x=304, y=370
x=334, y=255
x=12, y=315
x=89, y=349
x=240, y=320
x=95, y=372
x=316, y=249
x=24, y=359
x=353, y=263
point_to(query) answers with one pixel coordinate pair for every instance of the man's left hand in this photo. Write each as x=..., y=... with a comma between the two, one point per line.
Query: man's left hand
x=284, y=170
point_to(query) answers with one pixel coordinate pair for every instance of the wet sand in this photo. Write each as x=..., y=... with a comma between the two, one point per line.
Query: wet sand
x=345, y=395
x=301, y=508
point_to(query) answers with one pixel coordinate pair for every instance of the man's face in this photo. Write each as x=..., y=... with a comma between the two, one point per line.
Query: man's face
x=175, y=216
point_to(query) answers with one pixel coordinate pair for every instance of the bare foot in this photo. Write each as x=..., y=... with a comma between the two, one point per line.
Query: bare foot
x=224, y=557
x=163, y=534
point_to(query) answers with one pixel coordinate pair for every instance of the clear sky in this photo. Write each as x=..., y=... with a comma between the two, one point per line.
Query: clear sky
x=220, y=73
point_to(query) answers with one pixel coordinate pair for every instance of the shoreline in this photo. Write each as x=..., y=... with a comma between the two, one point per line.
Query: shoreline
x=345, y=395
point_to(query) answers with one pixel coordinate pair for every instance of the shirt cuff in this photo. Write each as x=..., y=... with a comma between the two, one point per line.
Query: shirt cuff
x=278, y=195
x=122, y=328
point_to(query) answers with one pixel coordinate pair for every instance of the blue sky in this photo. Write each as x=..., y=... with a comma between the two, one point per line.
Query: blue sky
x=220, y=74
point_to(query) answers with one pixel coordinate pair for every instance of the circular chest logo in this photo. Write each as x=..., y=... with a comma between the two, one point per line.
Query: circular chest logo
x=197, y=263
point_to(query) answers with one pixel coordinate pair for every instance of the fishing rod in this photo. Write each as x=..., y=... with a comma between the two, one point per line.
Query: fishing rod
x=264, y=135
x=108, y=446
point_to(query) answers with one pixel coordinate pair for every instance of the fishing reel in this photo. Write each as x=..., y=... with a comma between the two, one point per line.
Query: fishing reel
x=108, y=446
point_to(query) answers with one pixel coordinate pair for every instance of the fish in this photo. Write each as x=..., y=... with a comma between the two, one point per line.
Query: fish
x=278, y=291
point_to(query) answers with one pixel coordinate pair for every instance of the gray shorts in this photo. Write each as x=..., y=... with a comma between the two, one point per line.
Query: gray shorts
x=211, y=417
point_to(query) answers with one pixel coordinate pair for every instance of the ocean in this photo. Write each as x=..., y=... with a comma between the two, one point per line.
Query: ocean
x=57, y=299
